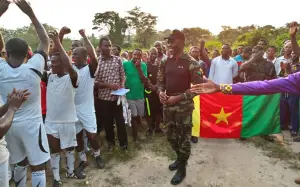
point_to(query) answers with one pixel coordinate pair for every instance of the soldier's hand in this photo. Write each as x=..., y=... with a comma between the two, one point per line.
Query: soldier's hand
x=163, y=97
x=173, y=100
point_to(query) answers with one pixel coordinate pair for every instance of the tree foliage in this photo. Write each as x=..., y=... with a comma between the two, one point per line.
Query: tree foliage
x=137, y=29
x=26, y=33
x=194, y=35
x=115, y=25
x=144, y=25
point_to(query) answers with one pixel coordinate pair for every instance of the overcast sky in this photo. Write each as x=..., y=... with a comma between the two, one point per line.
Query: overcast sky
x=209, y=14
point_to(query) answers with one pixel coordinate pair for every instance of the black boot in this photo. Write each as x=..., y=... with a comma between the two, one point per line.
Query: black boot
x=180, y=174
x=194, y=139
x=174, y=166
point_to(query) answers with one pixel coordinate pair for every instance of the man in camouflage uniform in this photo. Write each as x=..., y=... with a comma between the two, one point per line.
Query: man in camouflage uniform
x=258, y=68
x=174, y=79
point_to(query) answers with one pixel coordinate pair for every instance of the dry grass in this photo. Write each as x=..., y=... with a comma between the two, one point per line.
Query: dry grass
x=277, y=151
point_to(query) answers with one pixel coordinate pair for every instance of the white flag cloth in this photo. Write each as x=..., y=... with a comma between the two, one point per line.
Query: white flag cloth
x=126, y=111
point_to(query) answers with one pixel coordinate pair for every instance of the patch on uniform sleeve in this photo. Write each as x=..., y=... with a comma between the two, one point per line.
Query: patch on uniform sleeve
x=295, y=68
x=200, y=71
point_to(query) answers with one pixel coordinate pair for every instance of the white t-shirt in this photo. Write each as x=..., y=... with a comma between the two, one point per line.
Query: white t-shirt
x=84, y=96
x=23, y=77
x=278, y=62
x=60, y=100
x=223, y=71
x=4, y=154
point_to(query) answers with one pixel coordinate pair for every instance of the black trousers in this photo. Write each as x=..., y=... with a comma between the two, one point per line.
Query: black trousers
x=110, y=112
x=98, y=116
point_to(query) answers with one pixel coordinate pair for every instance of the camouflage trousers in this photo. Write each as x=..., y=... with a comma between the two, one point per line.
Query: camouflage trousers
x=179, y=126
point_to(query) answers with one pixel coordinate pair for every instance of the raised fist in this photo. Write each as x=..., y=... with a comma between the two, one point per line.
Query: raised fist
x=65, y=30
x=24, y=6
x=3, y=6
x=54, y=36
x=82, y=32
x=293, y=28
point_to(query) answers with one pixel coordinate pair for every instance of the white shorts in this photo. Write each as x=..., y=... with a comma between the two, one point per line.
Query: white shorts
x=137, y=107
x=88, y=123
x=4, y=179
x=28, y=139
x=65, y=132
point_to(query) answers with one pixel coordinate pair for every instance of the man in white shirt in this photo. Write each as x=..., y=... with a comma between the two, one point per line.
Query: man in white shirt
x=7, y=111
x=281, y=61
x=61, y=112
x=223, y=68
x=84, y=101
x=27, y=140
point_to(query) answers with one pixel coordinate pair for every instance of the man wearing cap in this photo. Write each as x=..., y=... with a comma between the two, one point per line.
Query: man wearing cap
x=174, y=79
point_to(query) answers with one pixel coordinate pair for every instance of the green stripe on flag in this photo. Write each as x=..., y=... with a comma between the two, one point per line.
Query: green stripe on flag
x=261, y=115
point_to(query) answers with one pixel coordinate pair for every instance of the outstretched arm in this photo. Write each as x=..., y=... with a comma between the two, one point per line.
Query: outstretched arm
x=64, y=58
x=63, y=31
x=289, y=84
x=91, y=51
x=280, y=85
x=3, y=6
x=293, y=32
x=41, y=32
x=203, y=54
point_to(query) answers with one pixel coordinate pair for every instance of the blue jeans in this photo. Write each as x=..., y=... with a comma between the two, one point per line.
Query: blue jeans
x=289, y=107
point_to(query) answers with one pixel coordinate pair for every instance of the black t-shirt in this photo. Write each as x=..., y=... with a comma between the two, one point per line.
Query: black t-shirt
x=152, y=72
x=260, y=70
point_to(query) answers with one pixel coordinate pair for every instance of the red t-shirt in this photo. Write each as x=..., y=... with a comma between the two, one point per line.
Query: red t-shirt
x=43, y=96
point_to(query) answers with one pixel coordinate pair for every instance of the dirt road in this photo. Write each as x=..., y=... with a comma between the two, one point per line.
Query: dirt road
x=213, y=163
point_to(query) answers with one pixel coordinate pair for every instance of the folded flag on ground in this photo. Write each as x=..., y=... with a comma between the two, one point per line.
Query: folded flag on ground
x=235, y=116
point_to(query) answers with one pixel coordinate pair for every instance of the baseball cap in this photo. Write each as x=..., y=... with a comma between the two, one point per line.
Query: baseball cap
x=176, y=34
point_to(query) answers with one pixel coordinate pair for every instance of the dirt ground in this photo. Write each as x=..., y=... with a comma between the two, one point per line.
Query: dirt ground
x=213, y=163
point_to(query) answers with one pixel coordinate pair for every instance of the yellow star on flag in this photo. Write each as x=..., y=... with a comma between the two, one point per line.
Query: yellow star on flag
x=222, y=116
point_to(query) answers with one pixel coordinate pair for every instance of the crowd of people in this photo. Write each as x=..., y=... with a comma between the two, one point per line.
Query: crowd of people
x=59, y=101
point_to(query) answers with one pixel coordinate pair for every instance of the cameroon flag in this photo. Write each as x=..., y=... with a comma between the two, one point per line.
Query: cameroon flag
x=235, y=116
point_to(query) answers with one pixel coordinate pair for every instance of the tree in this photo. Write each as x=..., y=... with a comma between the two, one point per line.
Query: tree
x=194, y=35
x=160, y=35
x=213, y=44
x=115, y=25
x=228, y=35
x=144, y=24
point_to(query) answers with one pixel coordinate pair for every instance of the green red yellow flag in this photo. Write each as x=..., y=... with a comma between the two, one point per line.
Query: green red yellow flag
x=235, y=116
